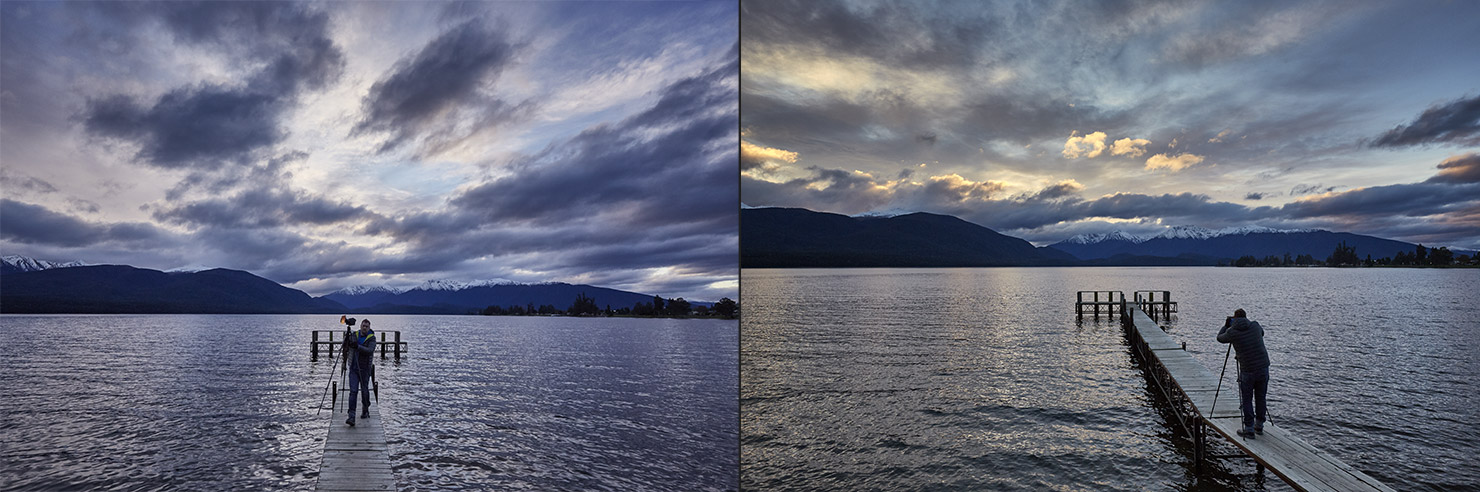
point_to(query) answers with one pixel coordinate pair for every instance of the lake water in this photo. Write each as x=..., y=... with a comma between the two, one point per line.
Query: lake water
x=227, y=402
x=981, y=379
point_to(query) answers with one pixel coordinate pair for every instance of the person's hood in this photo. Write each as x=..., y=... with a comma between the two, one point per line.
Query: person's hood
x=1240, y=324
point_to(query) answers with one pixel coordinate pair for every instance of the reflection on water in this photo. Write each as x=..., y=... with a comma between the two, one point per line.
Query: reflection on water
x=227, y=402
x=971, y=379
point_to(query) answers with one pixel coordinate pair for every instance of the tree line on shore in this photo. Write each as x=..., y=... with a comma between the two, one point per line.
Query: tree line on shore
x=658, y=308
x=1347, y=256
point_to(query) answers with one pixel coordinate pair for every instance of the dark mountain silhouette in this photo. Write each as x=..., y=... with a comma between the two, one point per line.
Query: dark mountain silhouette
x=126, y=289
x=420, y=300
x=794, y=237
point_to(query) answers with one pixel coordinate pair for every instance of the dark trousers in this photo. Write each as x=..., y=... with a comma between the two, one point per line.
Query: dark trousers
x=1252, y=386
x=359, y=382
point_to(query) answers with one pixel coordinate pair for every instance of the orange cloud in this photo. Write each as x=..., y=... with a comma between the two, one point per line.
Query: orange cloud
x=1132, y=147
x=1174, y=163
x=1087, y=146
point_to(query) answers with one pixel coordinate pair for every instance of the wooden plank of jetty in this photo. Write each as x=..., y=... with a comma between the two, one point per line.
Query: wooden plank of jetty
x=356, y=458
x=1295, y=461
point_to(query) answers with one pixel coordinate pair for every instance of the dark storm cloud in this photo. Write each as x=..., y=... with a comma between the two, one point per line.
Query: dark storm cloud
x=294, y=38
x=205, y=126
x=1458, y=169
x=34, y=224
x=875, y=31
x=190, y=127
x=451, y=73
x=1455, y=189
x=1058, y=191
x=644, y=192
x=1255, y=196
x=658, y=166
x=1410, y=200
x=1456, y=122
x=263, y=208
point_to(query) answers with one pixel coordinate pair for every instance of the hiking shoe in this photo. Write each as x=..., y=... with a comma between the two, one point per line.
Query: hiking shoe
x=1259, y=429
x=365, y=414
x=1246, y=433
x=350, y=421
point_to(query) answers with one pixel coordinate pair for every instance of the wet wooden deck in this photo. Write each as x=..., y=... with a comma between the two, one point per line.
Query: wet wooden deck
x=356, y=458
x=1298, y=463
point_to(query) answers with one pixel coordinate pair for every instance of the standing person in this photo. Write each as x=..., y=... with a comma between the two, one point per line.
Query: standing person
x=361, y=347
x=1247, y=338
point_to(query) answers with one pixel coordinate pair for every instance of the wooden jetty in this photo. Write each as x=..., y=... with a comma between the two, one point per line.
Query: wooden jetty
x=356, y=458
x=1191, y=389
x=1157, y=304
x=1110, y=301
x=331, y=346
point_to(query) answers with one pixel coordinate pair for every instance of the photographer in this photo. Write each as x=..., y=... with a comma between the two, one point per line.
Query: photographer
x=1247, y=338
x=359, y=349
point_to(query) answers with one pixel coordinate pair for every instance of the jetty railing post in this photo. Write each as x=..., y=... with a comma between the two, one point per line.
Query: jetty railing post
x=398, y=345
x=1079, y=304
x=382, y=348
x=315, y=345
x=334, y=401
x=1097, y=304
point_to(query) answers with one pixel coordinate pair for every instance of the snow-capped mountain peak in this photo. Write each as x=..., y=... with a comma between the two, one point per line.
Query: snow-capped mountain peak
x=356, y=290
x=1100, y=238
x=1179, y=232
x=28, y=264
x=456, y=285
x=430, y=285
x=1184, y=232
x=884, y=214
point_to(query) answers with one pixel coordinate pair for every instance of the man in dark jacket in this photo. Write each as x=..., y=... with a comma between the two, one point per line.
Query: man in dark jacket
x=360, y=346
x=1247, y=338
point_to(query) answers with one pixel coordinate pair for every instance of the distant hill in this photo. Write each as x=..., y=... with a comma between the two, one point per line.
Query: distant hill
x=794, y=237
x=125, y=289
x=1186, y=241
x=446, y=297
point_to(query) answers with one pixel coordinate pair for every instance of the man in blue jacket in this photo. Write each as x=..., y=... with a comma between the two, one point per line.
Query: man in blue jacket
x=360, y=346
x=1247, y=338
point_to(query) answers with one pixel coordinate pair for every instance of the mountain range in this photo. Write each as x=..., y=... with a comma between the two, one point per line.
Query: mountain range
x=449, y=297
x=29, y=285
x=1228, y=243
x=792, y=237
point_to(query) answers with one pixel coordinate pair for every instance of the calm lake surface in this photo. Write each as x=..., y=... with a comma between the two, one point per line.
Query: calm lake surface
x=981, y=379
x=218, y=402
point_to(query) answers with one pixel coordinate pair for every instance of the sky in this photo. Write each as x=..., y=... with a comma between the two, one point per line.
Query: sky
x=1044, y=120
x=329, y=144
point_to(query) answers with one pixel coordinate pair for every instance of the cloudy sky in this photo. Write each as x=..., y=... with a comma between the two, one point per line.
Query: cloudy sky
x=330, y=144
x=1049, y=119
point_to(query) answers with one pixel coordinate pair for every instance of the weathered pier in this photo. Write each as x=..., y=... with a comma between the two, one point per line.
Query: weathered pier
x=356, y=458
x=1111, y=301
x=1200, y=405
x=323, y=341
x=1157, y=304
